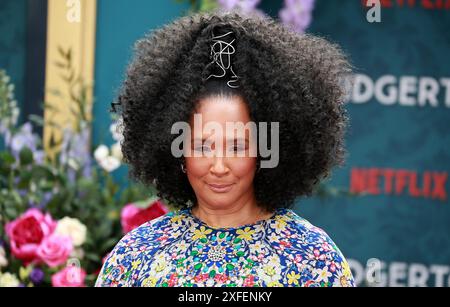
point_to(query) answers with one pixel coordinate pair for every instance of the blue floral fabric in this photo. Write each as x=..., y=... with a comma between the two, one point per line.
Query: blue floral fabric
x=178, y=249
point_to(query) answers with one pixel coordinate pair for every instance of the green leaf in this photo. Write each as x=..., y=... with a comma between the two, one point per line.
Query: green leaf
x=92, y=256
x=38, y=120
x=24, y=180
x=7, y=158
x=11, y=212
x=42, y=172
x=26, y=156
x=207, y=5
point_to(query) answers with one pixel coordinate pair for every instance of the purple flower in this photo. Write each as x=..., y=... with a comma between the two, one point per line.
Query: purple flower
x=297, y=14
x=37, y=276
x=71, y=175
x=41, y=203
x=45, y=199
x=24, y=137
x=39, y=156
x=75, y=152
x=22, y=192
x=245, y=6
x=21, y=139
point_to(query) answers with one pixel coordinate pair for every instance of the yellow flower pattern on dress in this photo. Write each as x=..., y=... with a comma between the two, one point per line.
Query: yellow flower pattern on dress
x=201, y=233
x=293, y=278
x=245, y=234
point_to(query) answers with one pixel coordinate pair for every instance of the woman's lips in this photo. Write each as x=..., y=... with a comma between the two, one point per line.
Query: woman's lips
x=220, y=188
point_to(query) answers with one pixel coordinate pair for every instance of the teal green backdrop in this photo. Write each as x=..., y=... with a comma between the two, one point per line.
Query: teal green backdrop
x=12, y=45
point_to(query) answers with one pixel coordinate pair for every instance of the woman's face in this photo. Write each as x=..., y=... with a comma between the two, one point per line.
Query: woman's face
x=221, y=180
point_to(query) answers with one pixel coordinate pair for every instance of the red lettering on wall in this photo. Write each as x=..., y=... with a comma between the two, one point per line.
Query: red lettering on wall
x=376, y=181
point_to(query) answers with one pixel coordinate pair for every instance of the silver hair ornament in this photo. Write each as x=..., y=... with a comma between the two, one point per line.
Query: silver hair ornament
x=220, y=51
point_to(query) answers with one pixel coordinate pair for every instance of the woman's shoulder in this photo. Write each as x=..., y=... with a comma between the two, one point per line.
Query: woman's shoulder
x=298, y=227
x=122, y=263
x=310, y=248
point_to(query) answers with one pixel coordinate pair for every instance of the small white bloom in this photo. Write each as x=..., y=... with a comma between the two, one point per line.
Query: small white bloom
x=116, y=133
x=109, y=163
x=101, y=152
x=8, y=280
x=273, y=237
x=73, y=164
x=15, y=115
x=323, y=274
x=116, y=151
x=72, y=228
x=3, y=260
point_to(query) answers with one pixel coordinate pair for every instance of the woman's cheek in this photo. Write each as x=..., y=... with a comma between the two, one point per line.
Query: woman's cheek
x=197, y=165
x=242, y=167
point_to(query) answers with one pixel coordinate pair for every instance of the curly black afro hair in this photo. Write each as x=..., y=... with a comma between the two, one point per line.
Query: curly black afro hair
x=286, y=77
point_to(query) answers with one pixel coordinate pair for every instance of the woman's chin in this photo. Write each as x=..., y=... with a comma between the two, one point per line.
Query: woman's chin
x=220, y=200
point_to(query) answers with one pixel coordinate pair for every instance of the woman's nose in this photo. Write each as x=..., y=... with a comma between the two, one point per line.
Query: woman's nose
x=218, y=167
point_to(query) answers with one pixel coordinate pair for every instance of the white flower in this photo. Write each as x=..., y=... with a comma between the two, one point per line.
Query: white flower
x=8, y=280
x=182, y=246
x=109, y=163
x=323, y=274
x=3, y=260
x=15, y=115
x=273, y=237
x=101, y=152
x=274, y=261
x=257, y=247
x=114, y=129
x=73, y=163
x=72, y=228
x=176, y=234
x=106, y=161
x=116, y=151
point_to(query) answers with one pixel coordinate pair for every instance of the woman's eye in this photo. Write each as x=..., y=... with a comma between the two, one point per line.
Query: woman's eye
x=202, y=148
x=237, y=148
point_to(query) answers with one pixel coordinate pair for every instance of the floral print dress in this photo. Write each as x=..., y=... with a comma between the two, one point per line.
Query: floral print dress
x=178, y=249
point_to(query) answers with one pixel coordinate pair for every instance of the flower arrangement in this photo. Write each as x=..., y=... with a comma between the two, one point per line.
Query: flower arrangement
x=59, y=217
x=296, y=14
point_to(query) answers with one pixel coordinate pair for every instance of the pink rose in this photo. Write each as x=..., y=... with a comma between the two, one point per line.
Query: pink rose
x=70, y=276
x=27, y=232
x=55, y=250
x=133, y=216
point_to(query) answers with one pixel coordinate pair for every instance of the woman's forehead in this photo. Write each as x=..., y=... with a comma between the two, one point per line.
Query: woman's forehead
x=222, y=109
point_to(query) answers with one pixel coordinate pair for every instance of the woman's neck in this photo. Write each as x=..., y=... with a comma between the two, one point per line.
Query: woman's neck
x=235, y=215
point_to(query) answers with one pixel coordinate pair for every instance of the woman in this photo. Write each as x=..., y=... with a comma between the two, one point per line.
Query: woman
x=234, y=226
